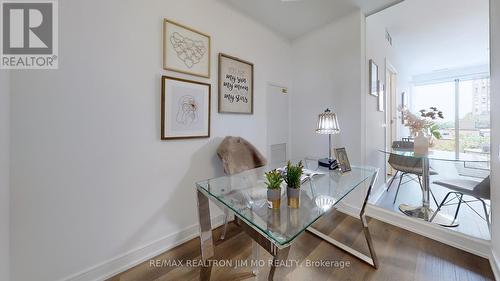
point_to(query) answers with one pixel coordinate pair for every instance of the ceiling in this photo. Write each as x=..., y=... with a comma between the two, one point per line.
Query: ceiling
x=438, y=35
x=293, y=18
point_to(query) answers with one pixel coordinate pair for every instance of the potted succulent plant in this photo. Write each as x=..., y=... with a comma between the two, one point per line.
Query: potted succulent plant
x=293, y=181
x=274, y=180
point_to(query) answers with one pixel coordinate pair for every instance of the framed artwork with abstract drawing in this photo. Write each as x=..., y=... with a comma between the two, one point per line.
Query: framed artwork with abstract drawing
x=185, y=109
x=185, y=50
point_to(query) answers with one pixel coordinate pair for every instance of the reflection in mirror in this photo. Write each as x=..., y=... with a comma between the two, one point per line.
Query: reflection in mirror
x=439, y=58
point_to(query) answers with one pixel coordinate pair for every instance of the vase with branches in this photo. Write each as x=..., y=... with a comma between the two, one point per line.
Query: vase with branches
x=423, y=127
x=423, y=123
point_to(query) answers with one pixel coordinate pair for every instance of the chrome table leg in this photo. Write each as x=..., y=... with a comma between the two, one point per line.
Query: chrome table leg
x=372, y=259
x=255, y=257
x=278, y=258
x=206, y=241
x=226, y=221
x=279, y=253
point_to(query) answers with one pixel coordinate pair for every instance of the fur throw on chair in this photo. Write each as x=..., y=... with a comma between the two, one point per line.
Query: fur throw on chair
x=238, y=155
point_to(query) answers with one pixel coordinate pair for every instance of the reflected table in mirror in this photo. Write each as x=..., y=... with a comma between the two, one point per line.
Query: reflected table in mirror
x=425, y=212
x=245, y=195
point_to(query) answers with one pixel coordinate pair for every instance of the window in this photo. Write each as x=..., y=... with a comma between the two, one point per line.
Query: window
x=466, y=107
x=474, y=116
x=442, y=96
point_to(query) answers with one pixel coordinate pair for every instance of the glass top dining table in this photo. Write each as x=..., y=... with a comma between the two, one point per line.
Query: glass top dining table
x=245, y=195
x=425, y=211
x=439, y=155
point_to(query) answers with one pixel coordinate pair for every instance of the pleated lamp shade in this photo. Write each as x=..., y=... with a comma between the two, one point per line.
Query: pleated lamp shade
x=328, y=123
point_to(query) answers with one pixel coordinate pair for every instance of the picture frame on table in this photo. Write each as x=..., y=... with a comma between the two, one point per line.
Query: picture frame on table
x=342, y=160
x=185, y=109
x=185, y=50
x=235, y=91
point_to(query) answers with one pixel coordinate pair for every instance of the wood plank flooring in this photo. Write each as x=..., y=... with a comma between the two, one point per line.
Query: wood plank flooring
x=403, y=256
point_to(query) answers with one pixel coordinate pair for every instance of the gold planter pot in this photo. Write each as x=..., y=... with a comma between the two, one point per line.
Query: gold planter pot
x=293, y=195
x=274, y=198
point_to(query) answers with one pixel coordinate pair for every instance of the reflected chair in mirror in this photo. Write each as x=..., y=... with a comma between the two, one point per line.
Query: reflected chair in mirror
x=406, y=166
x=480, y=191
x=238, y=155
x=405, y=144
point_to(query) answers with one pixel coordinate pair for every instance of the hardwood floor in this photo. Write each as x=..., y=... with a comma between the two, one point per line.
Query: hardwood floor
x=403, y=256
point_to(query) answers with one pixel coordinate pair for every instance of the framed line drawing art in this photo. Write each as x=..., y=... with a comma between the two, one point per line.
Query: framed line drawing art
x=185, y=109
x=185, y=50
x=373, y=78
x=235, y=85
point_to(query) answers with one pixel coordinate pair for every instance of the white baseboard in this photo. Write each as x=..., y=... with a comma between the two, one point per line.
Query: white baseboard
x=348, y=209
x=352, y=210
x=495, y=265
x=134, y=257
x=375, y=197
x=476, y=246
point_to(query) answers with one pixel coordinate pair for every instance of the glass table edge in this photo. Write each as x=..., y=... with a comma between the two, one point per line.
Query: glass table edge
x=255, y=227
x=283, y=244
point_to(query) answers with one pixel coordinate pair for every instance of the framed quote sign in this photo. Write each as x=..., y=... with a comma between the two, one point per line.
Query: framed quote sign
x=235, y=85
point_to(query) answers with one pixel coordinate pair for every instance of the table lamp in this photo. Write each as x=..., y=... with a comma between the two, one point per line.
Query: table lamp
x=328, y=124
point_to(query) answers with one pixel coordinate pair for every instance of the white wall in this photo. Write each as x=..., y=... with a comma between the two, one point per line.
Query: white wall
x=4, y=173
x=328, y=70
x=91, y=179
x=378, y=50
x=495, y=128
x=327, y=73
x=436, y=43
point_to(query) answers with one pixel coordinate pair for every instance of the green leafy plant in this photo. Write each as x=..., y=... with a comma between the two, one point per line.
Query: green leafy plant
x=434, y=131
x=274, y=179
x=293, y=174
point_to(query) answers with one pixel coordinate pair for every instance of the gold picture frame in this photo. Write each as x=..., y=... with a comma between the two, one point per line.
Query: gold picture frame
x=185, y=109
x=186, y=50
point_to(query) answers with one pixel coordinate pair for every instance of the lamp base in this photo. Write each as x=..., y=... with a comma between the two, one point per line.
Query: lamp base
x=331, y=164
